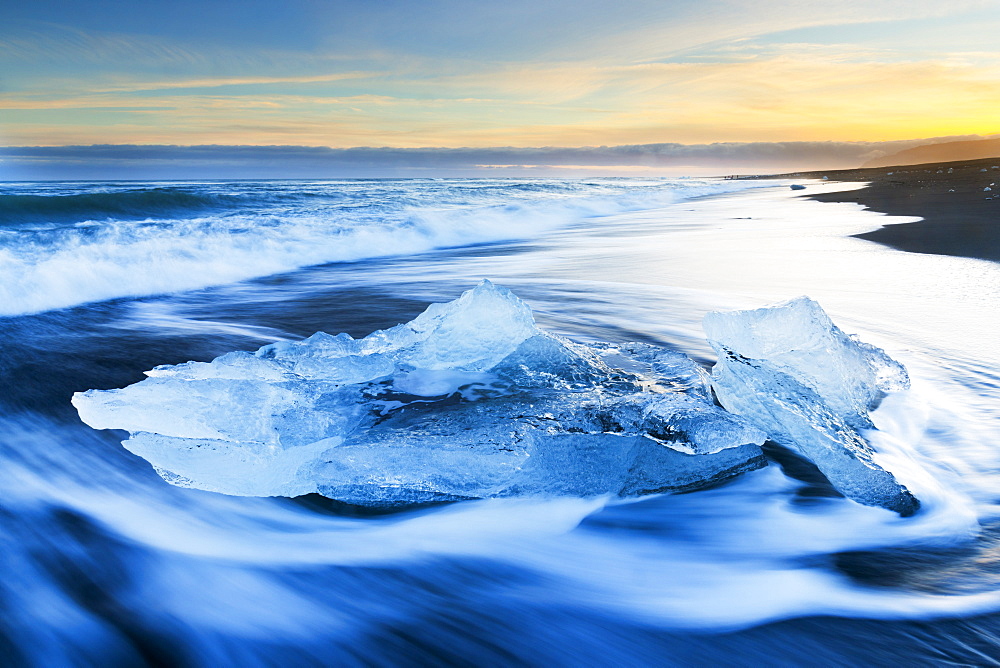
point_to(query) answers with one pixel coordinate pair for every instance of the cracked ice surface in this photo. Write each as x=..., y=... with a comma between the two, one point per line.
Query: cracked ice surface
x=468, y=400
x=792, y=372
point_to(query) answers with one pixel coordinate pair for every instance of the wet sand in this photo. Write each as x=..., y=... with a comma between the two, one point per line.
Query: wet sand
x=959, y=216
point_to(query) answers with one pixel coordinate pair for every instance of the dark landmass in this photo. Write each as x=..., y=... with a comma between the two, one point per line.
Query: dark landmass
x=960, y=217
x=950, y=151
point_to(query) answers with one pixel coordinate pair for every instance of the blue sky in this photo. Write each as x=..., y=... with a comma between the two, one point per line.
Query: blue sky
x=474, y=74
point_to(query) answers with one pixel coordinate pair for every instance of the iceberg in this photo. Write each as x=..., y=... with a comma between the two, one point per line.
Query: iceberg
x=794, y=374
x=469, y=400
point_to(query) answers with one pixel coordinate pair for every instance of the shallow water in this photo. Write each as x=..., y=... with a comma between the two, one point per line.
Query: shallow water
x=107, y=564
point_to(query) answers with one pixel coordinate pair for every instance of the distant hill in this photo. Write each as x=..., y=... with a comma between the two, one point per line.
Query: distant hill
x=951, y=151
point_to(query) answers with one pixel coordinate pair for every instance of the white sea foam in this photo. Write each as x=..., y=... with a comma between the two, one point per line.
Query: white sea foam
x=48, y=266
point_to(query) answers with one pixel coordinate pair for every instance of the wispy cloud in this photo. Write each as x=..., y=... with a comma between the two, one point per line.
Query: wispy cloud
x=217, y=82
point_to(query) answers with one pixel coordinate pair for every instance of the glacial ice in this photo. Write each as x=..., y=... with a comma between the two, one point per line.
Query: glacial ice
x=468, y=400
x=794, y=374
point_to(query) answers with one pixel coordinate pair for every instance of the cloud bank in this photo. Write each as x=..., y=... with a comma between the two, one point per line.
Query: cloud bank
x=127, y=161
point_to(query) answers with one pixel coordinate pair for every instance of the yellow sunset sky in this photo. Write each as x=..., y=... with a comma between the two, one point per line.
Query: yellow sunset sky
x=452, y=74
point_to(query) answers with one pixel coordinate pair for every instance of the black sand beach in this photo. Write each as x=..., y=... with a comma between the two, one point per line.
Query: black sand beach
x=960, y=217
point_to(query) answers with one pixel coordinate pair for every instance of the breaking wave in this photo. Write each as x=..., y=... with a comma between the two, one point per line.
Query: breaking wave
x=126, y=204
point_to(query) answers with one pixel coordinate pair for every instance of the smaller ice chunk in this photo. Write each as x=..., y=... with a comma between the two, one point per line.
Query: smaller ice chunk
x=468, y=400
x=798, y=338
x=792, y=372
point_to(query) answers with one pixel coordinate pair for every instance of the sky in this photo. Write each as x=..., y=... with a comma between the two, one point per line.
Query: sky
x=444, y=74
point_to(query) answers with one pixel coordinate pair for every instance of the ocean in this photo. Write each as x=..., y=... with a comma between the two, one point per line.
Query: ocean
x=104, y=563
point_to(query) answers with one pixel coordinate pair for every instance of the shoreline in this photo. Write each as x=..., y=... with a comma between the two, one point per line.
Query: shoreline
x=960, y=218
